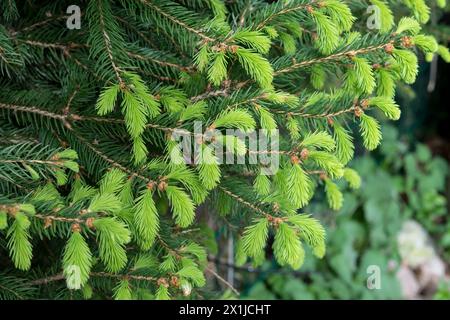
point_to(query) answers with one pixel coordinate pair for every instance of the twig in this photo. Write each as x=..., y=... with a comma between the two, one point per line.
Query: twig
x=229, y=285
x=60, y=276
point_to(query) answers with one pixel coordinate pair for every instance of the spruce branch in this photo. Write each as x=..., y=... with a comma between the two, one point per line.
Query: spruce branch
x=141, y=73
x=245, y=203
x=160, y=62
x=39, y=24
x=108, y=47
x=60, y=277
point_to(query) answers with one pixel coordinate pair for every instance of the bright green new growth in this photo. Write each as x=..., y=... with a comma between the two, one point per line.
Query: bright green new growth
x=90, y=159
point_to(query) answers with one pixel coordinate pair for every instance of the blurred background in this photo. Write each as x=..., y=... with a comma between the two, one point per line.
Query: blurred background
x=391, y=240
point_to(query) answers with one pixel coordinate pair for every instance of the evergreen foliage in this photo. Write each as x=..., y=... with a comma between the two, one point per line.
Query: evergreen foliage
x=88, y=162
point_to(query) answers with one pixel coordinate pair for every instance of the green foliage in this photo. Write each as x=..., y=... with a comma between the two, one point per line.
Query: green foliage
x=362, y=76
x=217, y=72
x=319, y=140
x=334, y=196
x=122, y=291
x=182, y=205
x=112, y=236
x=18, y=242
x=256, y=67
x=146, y=219
x=344, y=144
x=299, y=186
x=253, y=39
x=407, y=62
x=90, y=160
x=388, y=106
x=287, y=247
x=77, y=261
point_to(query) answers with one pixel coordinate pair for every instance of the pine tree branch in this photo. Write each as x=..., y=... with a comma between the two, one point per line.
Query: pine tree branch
x=337, y=56
x=14, y=183
x=25, y=161
x=59, y=277
x=160, y=62
x=105, y=157
x=38, y=111
x=47, y=280
x=137, y=31
x=322, y=115
x=85, y=67
x=64, y=47
x=3, y=57
x=116, y=164
x=67, y=118
x=11, y=291
x=59, y=219
x=211, y=94
x=12, y=209
x=108, y=46
x=221, y=279
x=244, y=202
x=146, y=39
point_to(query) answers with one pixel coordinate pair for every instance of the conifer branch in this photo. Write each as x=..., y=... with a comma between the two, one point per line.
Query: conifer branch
x=176, y=21
x=108, y=47
x=160, y=62
x=60, y=277
x=244, y=202
x=64, y=47
x=322, y=115
x=39, y=24
x=59, y=219
x=68, y=117
x=210, y=94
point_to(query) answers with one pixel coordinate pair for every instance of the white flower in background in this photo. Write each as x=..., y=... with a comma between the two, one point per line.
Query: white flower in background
x=421, y=268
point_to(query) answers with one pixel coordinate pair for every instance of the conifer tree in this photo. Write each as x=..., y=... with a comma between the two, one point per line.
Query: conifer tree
x=94, y=200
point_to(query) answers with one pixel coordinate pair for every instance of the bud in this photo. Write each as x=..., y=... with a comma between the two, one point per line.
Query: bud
x=295, y=159
x=358, y=112
x=162, y=185
x=90, y=222
x=304, y=154
x=47, y=222
x=76, y=227
x=389, y=48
